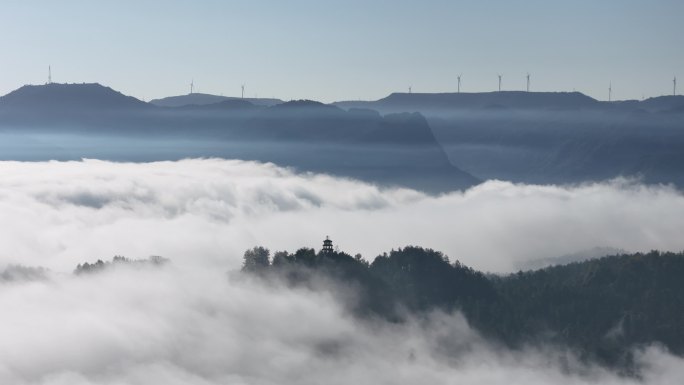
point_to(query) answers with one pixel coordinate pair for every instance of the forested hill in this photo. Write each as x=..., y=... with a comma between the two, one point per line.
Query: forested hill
x=601, y=308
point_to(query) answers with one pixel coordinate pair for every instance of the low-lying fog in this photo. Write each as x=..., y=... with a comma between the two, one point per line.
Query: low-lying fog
x=57, y=214
x=192, y=323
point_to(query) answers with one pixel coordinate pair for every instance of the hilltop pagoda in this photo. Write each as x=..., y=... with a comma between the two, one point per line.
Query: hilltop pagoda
x=327, y=246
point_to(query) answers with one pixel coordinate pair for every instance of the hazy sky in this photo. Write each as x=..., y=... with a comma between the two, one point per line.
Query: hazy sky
x=336, y=50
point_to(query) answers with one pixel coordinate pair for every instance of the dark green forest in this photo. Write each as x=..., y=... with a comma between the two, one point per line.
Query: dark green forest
x=602, y=309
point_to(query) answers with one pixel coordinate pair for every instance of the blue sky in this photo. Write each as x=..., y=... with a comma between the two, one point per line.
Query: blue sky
x=338, y=50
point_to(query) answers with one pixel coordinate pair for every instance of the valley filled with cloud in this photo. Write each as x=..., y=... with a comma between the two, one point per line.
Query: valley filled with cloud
x=57, y=214
x=197, y=321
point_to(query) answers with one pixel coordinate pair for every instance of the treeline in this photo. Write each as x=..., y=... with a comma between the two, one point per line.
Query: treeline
x=601, y=308
x=100, y=265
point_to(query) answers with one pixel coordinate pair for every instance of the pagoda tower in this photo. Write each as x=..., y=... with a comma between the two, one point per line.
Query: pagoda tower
x=327, y=246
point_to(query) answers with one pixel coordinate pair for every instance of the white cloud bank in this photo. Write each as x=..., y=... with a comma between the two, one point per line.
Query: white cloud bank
x=56, y=214
x=191, y=323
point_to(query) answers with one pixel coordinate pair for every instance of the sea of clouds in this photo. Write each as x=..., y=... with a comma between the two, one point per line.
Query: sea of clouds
x=194, y=322
x=57, y=214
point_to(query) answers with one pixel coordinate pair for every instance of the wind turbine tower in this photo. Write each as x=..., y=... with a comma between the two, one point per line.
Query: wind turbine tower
x=528, y=82
x=499, y=82
x=243, y=91
x=610, y=91
x=49, y=75
x=192, y=86
x=674, y=86
x=459, y=83
x=410, y=89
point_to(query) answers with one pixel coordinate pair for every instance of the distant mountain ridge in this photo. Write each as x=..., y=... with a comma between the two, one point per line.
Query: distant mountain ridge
x=200, y=99
x=434, y=102
x=56, y=96
x=438, y=141
x=457, y=101
x=670, y=103
x=551, y=137
x=68, y=122
x=95, y=95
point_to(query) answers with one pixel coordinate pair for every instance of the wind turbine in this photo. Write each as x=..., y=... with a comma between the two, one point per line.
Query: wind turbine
x=500, y=76
x=243, y=91
x=459, y=82
x=49, y=75
x=410, y=89
x=192, y=86
x=674, y=86
x=528, y=82
x=610, y=91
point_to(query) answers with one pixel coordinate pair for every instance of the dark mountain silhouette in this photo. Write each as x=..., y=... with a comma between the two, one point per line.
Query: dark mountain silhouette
x=230, y=104
x=77, y=121
x=663, y=104
x=517, y=100
x=200, y=99
x=426, y=102
x=552, y=137
x=304, y=104
x=68, y=97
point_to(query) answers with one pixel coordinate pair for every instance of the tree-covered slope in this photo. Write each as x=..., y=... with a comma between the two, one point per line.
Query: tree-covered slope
x=602, y=308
